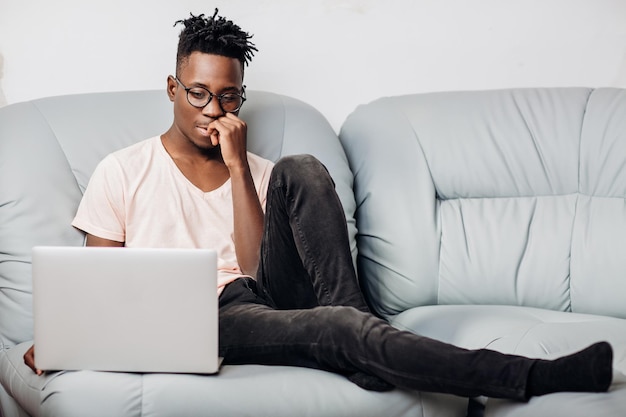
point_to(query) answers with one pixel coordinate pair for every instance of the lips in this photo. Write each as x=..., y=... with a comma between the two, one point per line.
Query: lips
x=203, y=129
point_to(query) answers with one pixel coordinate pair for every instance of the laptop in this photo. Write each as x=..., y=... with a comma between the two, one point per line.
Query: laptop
x=125, y=309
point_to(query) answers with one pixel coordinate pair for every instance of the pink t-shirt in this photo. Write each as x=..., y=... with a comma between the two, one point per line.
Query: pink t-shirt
x=138, y=195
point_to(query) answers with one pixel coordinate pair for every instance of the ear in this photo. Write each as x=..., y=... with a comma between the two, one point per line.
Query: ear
x=171, y=87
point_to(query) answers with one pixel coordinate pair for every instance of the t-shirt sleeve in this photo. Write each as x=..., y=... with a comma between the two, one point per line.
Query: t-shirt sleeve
x=101, y=211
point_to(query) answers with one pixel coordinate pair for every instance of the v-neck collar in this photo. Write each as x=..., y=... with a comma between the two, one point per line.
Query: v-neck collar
x=220, y=191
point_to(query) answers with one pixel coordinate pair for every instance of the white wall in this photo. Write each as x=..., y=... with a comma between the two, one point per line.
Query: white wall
x=333, y=54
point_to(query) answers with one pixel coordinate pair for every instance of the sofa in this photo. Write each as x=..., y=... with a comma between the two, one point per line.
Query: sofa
x=497, y=219
x=488, y=219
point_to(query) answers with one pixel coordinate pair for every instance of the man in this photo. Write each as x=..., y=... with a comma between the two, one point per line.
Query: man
x=288, y=289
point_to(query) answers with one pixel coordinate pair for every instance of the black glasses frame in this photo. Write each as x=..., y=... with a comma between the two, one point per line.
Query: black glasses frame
x=219, y=97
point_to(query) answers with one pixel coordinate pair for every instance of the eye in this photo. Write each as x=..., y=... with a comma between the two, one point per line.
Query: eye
x=198, y=93
x=229, y=98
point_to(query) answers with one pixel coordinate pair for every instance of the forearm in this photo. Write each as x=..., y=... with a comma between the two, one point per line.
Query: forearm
x=248, y=221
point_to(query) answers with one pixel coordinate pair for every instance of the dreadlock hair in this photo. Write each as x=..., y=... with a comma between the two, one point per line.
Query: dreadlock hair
x=214, y=35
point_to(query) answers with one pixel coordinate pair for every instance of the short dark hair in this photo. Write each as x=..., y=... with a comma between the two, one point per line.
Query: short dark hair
x=213, y=35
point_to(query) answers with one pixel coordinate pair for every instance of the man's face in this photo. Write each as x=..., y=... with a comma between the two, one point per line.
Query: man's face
x=216, y=73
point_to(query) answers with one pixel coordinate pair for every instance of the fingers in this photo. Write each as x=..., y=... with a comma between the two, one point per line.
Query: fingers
x=230, y=132
x=29, y=360
x=229, y=124
x=215, y=137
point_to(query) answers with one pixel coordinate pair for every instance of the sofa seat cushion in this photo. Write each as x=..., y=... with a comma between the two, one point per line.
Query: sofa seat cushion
x=530, y=332
x=527, y=331
x=247, y=390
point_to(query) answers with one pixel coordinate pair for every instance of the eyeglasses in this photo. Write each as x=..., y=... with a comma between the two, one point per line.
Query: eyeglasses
x=199, y=97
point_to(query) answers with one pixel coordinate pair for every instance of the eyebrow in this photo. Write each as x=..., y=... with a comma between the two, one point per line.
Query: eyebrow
x=238, y=90
x=225, y=89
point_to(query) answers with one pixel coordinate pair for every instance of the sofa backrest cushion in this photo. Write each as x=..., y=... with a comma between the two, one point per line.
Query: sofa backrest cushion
x=49, y=148
x=511, y=197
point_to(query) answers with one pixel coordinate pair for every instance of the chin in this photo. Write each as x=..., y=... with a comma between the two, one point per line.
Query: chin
x=209, y=149
x=202, y=142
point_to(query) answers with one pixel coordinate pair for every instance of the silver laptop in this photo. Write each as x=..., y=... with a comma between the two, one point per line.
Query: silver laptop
x=122, y=309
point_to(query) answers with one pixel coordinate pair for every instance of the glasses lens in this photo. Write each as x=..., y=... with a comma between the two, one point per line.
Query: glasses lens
x=198, y=97
x=230, y=102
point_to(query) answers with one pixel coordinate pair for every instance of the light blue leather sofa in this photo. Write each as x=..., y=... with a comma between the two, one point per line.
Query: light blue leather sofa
x=497, y=219
x=486, y=219
x=48, y=150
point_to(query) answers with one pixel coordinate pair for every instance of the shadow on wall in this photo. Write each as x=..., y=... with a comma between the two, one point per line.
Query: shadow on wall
x=3, y=99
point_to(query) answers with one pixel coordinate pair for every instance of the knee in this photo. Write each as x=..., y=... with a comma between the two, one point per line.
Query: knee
x=349, y=322
x=355, y=332
x=304, y=169
x=304, y=163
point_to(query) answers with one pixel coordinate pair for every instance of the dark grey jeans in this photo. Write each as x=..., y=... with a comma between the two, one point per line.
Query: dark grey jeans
x=306, y=308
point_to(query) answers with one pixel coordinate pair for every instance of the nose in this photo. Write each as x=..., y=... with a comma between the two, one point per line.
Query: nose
x=213, y=109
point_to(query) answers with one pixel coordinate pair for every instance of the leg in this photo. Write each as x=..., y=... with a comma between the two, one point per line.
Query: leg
x=348, y=341
x=305, y=253
x=345, y=340
x=307, y=243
